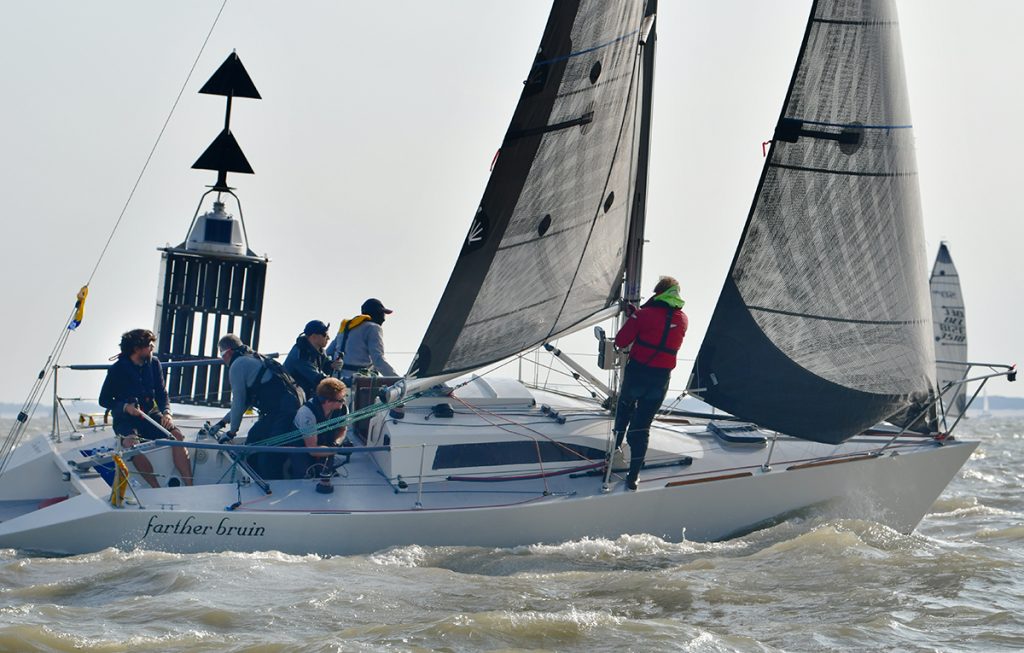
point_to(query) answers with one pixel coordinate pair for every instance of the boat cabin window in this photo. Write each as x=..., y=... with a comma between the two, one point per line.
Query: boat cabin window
x=524, y=452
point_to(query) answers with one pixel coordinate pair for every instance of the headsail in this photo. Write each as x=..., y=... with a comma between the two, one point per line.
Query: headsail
x=950, y=332
x=822, y=328
x=545, y=251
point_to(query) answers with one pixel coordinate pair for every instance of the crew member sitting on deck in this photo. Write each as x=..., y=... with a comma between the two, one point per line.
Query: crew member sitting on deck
x=360, y=342
x=134, y=387
x=328, y=404
x=261, y=383
x=655, y=332
x=306, y=362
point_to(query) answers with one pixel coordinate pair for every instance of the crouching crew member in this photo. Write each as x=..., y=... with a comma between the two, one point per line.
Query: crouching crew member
x=328, y=404
x=134, y=387
x=261, y=383
x=655, y=332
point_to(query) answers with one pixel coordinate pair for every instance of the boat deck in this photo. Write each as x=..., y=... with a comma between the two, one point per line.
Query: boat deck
x=679, y=454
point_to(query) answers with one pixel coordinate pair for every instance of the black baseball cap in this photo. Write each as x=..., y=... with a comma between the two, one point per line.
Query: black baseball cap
x=371, y=306
x=316, y=327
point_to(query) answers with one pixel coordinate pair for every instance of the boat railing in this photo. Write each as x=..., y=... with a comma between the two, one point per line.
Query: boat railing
x=88, y=420
x=1009, y=371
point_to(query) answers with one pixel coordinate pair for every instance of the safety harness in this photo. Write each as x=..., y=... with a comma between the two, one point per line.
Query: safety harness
x=660, y=347
x=260, y=392
x=324, y=438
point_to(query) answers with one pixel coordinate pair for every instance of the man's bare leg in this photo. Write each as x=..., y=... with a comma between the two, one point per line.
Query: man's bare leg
x=181, y=461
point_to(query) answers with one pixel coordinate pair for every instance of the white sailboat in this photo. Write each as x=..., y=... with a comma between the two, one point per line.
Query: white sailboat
x=556, y=246
x=950, y=326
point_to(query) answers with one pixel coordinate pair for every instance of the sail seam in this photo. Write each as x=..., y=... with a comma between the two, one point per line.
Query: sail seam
x=518, y=310
x=835, y=319
x=590, y=49
x=853, y=173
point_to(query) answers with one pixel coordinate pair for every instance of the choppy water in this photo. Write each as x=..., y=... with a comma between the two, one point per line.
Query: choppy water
x=805, y=585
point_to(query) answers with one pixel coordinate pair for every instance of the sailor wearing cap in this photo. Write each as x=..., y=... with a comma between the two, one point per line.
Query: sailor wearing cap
x=306, y=361
x=359, y=344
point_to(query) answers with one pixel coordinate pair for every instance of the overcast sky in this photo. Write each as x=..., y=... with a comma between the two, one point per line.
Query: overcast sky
x=372, y=144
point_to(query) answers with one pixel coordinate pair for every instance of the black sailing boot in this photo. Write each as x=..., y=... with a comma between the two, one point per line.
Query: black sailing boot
x=632, y=477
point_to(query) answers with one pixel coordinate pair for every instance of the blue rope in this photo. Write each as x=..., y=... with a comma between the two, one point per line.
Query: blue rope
x=581, y=52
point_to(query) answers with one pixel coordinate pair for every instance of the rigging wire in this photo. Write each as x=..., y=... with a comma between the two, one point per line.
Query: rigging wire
x=159, y=136
x=35, y=394
x=579, y=379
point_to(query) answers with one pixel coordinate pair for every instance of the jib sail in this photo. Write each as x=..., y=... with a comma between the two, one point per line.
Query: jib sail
x=823, y=327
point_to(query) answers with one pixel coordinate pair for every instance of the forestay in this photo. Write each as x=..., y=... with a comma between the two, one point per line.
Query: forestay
x=823, y=325
x=545, y=250
x=950, y=332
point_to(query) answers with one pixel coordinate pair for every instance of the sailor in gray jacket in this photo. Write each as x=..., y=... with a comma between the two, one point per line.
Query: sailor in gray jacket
x=360, y=342
x=263, y=384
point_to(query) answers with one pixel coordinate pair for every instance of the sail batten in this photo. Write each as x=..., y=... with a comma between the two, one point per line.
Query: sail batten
x=854, y=173
x=546, y=249
x=822, y=328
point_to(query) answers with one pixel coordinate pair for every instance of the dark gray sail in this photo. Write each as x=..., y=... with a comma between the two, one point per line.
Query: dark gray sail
x=823, y=326
x=545, y=251
x=950, y=332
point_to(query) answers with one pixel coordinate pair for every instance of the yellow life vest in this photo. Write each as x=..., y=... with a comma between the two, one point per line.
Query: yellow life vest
x=348, y=325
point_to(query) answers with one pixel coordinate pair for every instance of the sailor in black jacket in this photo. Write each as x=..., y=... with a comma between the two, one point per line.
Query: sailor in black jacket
x=306, y=362
x=134, y=387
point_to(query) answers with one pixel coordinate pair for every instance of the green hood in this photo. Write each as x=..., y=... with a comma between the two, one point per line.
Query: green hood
x=670, y=297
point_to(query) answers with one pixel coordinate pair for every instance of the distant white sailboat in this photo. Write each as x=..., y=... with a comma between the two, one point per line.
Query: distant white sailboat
x=950, y=326
x=821, y=331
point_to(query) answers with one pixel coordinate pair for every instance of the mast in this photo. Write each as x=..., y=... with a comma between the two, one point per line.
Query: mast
x=635, y=238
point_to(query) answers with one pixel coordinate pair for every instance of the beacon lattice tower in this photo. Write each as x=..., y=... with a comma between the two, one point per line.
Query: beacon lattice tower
x=212, y=283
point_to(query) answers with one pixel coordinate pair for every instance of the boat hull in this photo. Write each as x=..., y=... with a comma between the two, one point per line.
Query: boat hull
x=895, y=488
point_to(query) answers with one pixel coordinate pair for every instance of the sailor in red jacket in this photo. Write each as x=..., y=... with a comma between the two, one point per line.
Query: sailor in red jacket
x=655, y=332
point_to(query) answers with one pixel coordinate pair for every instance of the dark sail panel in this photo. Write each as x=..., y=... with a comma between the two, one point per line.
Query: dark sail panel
x=823, y=327
x=545, y=249
x=950, y=327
